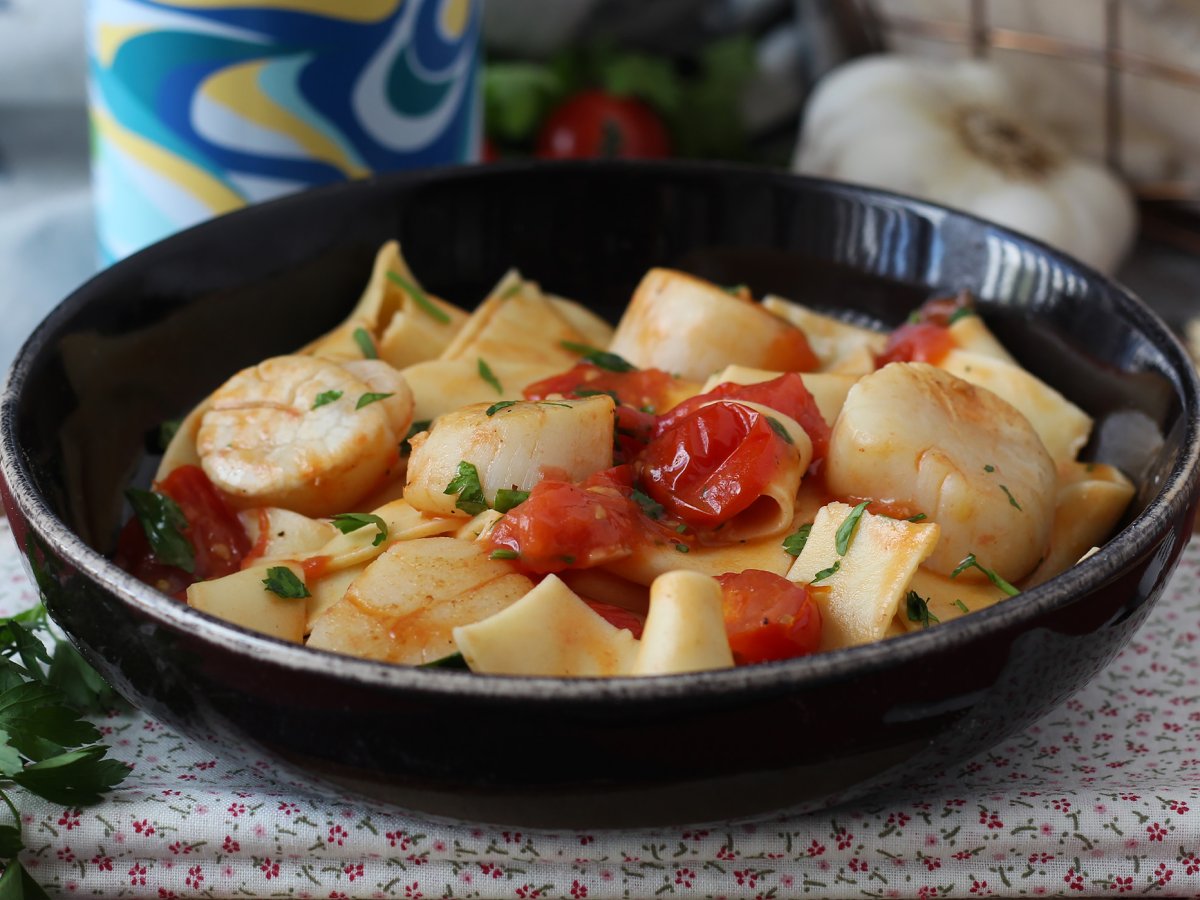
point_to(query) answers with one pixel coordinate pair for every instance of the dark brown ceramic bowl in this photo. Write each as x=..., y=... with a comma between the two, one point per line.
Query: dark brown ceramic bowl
x=151, y=336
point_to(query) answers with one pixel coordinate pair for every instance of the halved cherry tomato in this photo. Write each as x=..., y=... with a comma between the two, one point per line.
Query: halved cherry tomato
x=618, y=616
x=596, y=124
x=768, y=617
x=214, y=529
x=940, y=310
x=786, y=393
x=916, y=342
x=134, y=556
x=565, y=525
x=713, y=464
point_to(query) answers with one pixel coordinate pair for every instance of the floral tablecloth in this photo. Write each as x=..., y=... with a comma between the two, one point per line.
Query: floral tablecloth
x=1100, y=797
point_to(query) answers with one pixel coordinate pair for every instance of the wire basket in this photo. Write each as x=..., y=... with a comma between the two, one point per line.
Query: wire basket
x=1170, y=206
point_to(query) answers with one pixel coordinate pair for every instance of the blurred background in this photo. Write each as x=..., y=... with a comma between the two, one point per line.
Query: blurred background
x=1113, y=85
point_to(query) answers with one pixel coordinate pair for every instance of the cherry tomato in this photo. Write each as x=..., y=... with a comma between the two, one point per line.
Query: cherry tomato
x=713, y=464
x=134, y=556
x=618, y=616
x=768, y=617
x=940, y=310
x=786, y=393
x=916, y=342
x=214, y=529
x=595, y=124
x=565, y=525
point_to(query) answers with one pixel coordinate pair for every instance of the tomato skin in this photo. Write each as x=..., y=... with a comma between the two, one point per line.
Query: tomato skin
x=786, y=393
x=618, y=616
x=134, y=556
x=564, y=525
x=713, y=464
x=940, y=310
x=768, y=617
x=916, y=342
x=214, y=529
x=596, y=124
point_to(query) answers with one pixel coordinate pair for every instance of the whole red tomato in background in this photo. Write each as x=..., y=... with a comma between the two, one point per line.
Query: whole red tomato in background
x=595, y=123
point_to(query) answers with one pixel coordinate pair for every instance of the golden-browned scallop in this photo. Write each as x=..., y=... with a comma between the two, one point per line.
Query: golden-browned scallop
x=305, y=433
x=691, y=327
x=920, y=438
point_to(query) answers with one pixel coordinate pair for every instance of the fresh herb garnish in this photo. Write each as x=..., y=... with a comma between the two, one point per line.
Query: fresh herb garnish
x=969, y=562
x=496, y=407
x=167, y=431
x=501, y=553
x=825, y=573
x=918, y=610
x=681, y=528
x=846, y=530
x=348, y=522
x=509, y=498
x=420, y=298
x=453, y=661
x=961, y=606
x=793, y=544
x=961, y=313
x=989, y=468
x=164, y=524
x=600, y=358
x=365, y=344
x=282, y=582
x=683, y=548
x=369, y=398
x=326, y=397
x=512, y=290
x=779, y=429
x=486, y=373
x=587, y=392
x=1011, y=499
x=651, y=507
x=413, y=430
x=735, y=289
x=919, y=517
x=470, y=491
x=914, y=317
x=554, y=403
x=568, y=559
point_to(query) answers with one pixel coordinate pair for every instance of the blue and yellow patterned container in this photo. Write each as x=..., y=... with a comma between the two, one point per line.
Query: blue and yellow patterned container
x=202, y=106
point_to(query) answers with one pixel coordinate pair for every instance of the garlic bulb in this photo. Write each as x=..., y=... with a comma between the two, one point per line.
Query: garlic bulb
x=957, y=133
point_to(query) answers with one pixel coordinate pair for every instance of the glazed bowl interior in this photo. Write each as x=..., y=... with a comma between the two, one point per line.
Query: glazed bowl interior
x=150, y=337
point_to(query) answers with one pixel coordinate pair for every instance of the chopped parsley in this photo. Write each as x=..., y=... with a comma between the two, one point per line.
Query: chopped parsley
x=735, y=290
x=413, y=430
x=369, y=398
x=470, y=491
x=683, y=548
x=1011, y=499
x=793, y=544
x=970, y=562
x=165, y=525
x=486, y=373
x=779, y=429
x=825, y=573
x=962, y=606
x=496, y=407
x=509, y=498
x=421, y=299
x=348, y=522
x=453, y=661
x=918, y=610
x=554, y=403
x=989, y=468
x=502, y=553
x=282, y=582
x=681, y=528
x=586, y=392
x=651, y=507
x=512, y=290
x=845, y=532
x=961, y=313
x=919, y=517
x=365, y=343
x=600, y=358
x=326, y=397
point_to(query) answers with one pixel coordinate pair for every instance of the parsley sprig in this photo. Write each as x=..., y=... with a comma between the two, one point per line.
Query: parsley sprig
x=470, y=491
x=600, y=358
x=165, y=527
x=970, y=562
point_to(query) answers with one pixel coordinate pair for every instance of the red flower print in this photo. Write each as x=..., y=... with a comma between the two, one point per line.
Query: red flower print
x=66, y=855
x=898, y=819
x=511, y=837
x=398, y=839
x=578, y=891
x=1155, y=832
x=991, y=820
x=528, y=892
x=103, y=863
x=1062, y=805
x=1122, y=883
x=195, y=877
x=338, y=895
x=816, y=848
x=137, y=874
x=417, y=860
x=1177, y=806
x=337, y=835
x=932, y=862
x=726, y=852
x=1074, y=880
x=236, y=809
x=411, y=891
x=1130, y=797
x=927, y=892
x=856, y=865
x=269, y=869
x=695, y=835
x=491, y=869
x=164, y=894
x=963, y=854
x=1190, y=863
x=353, y=870
x=843, y=837
x=230, y=845
x=207, y=764
x=1035, y=858
x=1162, y=875
x=288, y=808
x=979, y=887
x=685, y=877
x=585, y=839
x=70, y=818
x=144, y=827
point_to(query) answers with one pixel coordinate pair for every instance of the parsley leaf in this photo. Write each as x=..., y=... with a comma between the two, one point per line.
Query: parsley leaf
x=793, y=544
x=348, y=522
x=421, y=299
x=503, y=553
x=509, y=498
x=486, y=373
x=735, y=290
x=683, y=548
x=919, y=517
x=846, y=530
x=600, y=358
x=413, y=430
x=74, y=778
x=1011, y=499
x=282, y=582
x=18, y=883
x=164, y=524
x=365, y=343
x=470, y=491
x=962, y=606
x=961, y=313
x=651, y=507
x=326, y=397
x=453, y=661
x=369, y=398
x=989, y=468
x=779, y=429
x=167, y=431
x=496, y=407
x=825, y=573
x=918, y=610
x=969, y=562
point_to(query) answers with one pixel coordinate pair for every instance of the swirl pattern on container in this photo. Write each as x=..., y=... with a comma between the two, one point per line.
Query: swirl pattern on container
x=203, y=106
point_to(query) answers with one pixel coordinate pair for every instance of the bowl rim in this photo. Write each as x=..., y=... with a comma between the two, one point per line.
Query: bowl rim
x=1137, y=538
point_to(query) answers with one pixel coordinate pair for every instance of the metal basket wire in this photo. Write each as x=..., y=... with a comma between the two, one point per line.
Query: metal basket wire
x=1171, y=207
